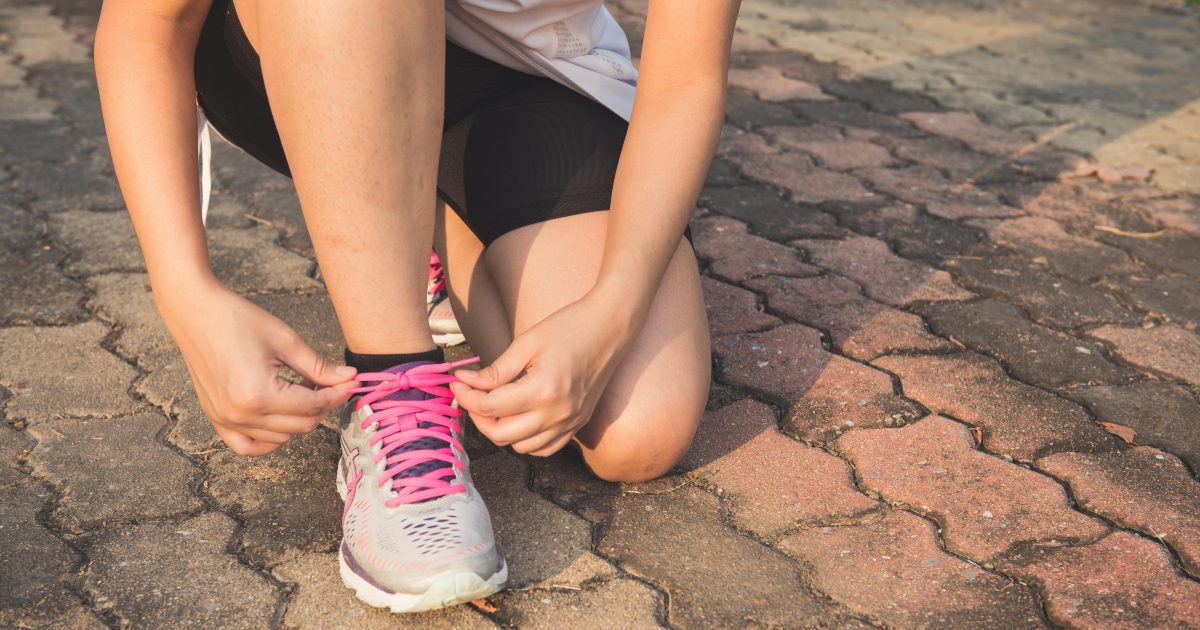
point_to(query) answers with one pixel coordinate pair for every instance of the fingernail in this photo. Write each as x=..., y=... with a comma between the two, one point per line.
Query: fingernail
x=345, y=370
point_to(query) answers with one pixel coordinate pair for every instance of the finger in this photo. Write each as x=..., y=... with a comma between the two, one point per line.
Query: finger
x=503, y=370
x=553, y=447
x=244, y=444
x=311, y=366
x=486, y=426
x=289, y=425
x=504, y=401
x=517, y=428
x=266, y=435
x=291, y=399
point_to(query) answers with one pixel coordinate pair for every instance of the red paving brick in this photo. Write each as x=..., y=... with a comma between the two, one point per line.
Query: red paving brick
x=985, y=504
x=1016, y=420
x=827, y=394
x=861, y=328
x=1170, y=350
x=732, y=310
x=1067, y=254
x=1120, y=581
x=968, y=129
x=883, y=275
x=805, y=182
x=736, y=255
x=892, y=570
x=1142, y=489
x=770, y=481
x=770, y=84
x=735, y=141
x=842, y=155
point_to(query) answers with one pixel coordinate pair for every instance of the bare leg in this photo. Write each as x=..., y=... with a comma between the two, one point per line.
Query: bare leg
x=357, y=90
x=645, y=421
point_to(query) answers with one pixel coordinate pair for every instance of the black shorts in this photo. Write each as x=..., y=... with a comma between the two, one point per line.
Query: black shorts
x=517, y=149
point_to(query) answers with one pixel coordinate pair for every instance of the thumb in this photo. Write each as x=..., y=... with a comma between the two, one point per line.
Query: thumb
x=503, y=370
x=313, y=367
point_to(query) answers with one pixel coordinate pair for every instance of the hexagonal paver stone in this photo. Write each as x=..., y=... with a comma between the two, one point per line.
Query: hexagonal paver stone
x=540, y=540
x=1170, y=350
x=732, y=310
x=828, y=394
x=14, y=448
x=1142, y=489
x=1172, y=297
x=1164, y=415
x=63, y=371
x=713, y=576
x=112, y=470
x=738, y=448
x=1015, y=419
x=942, y=196
x=81, y=183
x=322, y=602
x=770, y=215
x=806, y=183
x=1176, y=213
x=883, y=275
x=125, y=300
x=1171, y=251
x=36, y=292
x=287, y=500
x=250, y=260
x=1072, y=256
x=155, y=574
x=735, y=141
x=944, y=154
x=770, y=84
x=913, y=234
x=311, y=315
x=622, y=603
x=1121, y=581
x=564, y=478
x=892, y=569
x=845, y=154
x=968, y=129
x=1035, y=354
x=35, y=575
x=985, y=504
x=860, y=328
x=170, y=389
x=1053, y=300
x=736, y=255
x=99, y=242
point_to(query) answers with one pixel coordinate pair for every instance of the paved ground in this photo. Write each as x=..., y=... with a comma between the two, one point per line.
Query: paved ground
x=952, y=387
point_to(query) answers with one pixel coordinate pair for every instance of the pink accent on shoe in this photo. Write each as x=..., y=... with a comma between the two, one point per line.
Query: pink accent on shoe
x=398, y=425
x=352, y=484
x=437, y=277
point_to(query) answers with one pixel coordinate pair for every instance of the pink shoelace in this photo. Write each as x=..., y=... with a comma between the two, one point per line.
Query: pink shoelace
x=437, y=280
x=402, y=422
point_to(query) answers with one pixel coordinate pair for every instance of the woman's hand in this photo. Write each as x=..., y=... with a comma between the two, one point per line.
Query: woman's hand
x=234, y=350
x=564, y=364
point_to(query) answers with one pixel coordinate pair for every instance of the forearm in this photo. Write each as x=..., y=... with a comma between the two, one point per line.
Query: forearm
x=668, y=150
x=144, y=69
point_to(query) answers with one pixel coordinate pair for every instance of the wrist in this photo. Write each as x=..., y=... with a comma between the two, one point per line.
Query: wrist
x=621, y=310
x=180, y=291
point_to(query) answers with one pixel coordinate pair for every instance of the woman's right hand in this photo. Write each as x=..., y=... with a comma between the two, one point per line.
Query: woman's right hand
x=234, y=351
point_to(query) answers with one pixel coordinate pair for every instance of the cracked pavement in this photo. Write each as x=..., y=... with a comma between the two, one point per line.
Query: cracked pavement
x=954, y=386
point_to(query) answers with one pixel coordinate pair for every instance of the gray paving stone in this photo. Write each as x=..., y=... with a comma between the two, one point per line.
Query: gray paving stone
x=1164, y=415
x=622, y=603
x=769, y=215
x=913, y=234
x=73, y=86
x=14, y=449
x=1053, y=300
x=83, y=182
x=1174, y=298
x=125, y=300
x=111, y=471
x=159, y=575
x=322, y=602
x=311, y=315
x=251, y=261
x=1172, y=251
x=63, y=371
x=287, y=500
x=36, y=292
x=713, y=576
x=540, y=540
x=35, y=582
x=98, y=242
x=1032, y=353
x=170, y=389
x=35, y=141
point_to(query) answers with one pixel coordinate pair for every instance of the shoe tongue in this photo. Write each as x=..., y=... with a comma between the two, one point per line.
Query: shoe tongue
x=422, y=443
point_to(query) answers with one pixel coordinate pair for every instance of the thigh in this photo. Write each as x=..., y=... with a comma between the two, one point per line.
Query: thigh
x=649, y=412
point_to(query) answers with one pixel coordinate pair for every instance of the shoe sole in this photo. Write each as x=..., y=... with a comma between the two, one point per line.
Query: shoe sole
x=448, y=339
x=447, y=590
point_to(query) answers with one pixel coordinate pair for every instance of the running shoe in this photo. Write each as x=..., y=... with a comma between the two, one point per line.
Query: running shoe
x=441, y=316
x=415, y=533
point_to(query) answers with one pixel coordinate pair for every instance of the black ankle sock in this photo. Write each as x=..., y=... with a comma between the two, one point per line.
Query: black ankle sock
x=381, y=362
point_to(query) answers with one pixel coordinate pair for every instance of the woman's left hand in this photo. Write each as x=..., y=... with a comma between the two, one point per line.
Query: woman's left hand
x=563, y=364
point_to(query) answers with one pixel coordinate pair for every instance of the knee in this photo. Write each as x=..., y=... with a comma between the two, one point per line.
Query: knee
x=641, y=449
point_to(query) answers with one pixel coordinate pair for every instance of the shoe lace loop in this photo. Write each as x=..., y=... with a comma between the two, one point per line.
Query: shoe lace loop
x=401, y=422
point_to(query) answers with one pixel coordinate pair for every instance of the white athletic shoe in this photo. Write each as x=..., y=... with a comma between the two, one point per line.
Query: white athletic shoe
x=446, y=331
x=415, y=533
